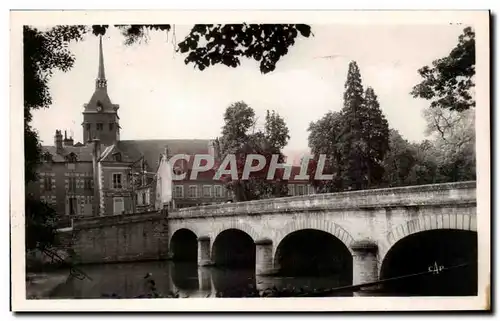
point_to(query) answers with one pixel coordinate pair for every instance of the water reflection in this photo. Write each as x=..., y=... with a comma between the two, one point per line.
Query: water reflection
x=127, y=280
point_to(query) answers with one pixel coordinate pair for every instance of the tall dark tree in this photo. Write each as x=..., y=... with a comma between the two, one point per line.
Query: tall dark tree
x=43, y=53
x=354, y=141
x=354, y=118
x=376, y=135
x=449, y=82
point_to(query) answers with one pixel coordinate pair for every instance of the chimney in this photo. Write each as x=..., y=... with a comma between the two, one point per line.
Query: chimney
x=67, y=141
x=96, y=153
x=58, y=141
x=143, y=172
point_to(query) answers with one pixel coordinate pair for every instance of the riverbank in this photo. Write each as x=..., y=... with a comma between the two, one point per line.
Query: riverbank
x=41, y=285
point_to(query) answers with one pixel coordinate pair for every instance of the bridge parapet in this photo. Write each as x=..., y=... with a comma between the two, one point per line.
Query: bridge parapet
x=422, y=195
x=111, y=220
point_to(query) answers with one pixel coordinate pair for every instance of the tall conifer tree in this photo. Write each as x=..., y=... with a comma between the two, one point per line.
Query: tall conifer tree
x=354, y=115
x=376, y=136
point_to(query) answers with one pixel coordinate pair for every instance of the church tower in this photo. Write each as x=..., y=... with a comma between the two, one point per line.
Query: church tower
x=100, y=116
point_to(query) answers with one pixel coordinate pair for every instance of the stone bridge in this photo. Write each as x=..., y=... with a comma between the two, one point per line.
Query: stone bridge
x=368, y=234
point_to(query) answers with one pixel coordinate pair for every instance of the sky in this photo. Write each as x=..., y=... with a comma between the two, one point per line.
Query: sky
x=161, y=97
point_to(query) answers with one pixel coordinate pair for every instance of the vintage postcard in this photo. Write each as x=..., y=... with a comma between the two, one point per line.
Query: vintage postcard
x=250, y=160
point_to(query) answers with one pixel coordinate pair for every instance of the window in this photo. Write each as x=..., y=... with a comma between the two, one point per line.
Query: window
x=117, y=181
x=291, y=189
x=300, y=189
x=87, y=126
x=118, y=205
x=144, y=198
x=179, y=191
x=47, y=183
x=111, y=126
x=192, y=191
x=218, y=191
x=87, y=184
x=207, y=191
x=147, y=197
x=72, y=184
x=117, y=157
x=99, y=126
x=72, y=205
x=47, y=157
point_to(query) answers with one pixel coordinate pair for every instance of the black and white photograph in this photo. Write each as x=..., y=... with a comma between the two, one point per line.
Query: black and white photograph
x=341, y=158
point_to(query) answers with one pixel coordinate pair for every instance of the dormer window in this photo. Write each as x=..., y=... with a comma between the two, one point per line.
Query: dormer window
x=71, y=158
x=47, y=157
x=117, y=157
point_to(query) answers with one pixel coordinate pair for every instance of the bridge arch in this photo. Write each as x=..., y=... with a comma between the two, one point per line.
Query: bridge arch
x=234, y=248
x=314, y=224
x=183, y=245
x=466, y=222
x=447, y=241
x=233, y=224
x=317, y=248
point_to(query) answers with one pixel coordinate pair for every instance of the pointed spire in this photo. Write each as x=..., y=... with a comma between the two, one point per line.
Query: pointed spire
x=101, y=76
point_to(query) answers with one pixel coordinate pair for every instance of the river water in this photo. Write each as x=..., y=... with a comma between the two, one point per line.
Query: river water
x=127, y=280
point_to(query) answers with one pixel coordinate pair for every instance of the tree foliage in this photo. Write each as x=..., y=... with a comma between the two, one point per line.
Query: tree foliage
x=41, y=223
x=213, y=44
x=453, y=136
x=325, y=138
x=241, y=138
x=43, y=53
x=449, y=82
x=354, y=140
x=431, y=161
x=408, y=164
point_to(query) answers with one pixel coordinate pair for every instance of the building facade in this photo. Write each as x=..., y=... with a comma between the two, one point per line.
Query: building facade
x=104, y=175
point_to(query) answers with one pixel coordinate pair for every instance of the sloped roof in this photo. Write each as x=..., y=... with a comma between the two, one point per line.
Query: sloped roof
x=152, y=149
x=108, y=153
x=101, y=97
x=83, y=153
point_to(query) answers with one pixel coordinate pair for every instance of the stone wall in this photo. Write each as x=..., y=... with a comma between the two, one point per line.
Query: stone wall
x=120, y=238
